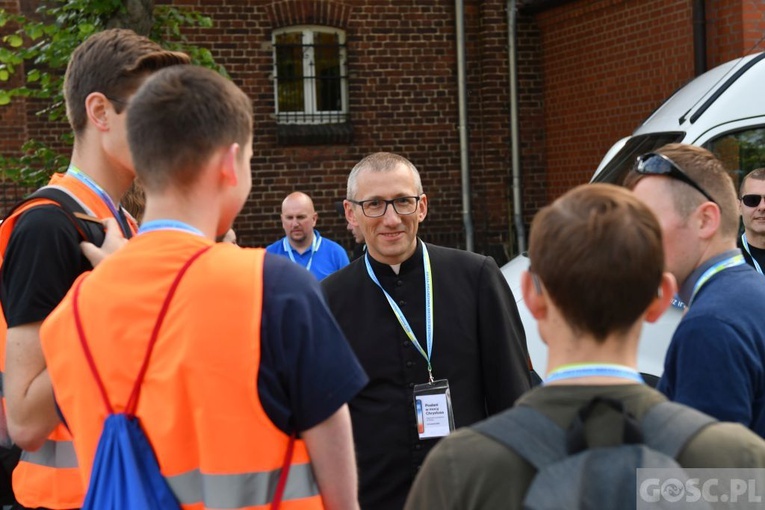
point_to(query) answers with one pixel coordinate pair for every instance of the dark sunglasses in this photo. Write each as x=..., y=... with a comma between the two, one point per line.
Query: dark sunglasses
x=654, y=163
x=752, y=200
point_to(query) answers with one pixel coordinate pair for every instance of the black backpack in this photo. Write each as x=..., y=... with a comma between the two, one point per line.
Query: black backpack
x=571, y=475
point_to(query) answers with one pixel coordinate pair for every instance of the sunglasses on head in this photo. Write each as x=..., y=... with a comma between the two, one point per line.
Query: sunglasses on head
x=654, y=163
x=752, y=200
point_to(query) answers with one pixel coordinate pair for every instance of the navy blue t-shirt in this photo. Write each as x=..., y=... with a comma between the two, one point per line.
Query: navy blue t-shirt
x=307, y=369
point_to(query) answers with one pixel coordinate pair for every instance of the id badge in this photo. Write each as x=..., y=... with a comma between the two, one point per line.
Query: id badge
x=433, y=407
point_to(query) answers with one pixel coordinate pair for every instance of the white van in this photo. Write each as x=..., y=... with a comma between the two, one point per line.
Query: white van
x=722, y=110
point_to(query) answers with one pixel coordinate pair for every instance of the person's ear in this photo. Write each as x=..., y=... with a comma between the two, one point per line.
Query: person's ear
x=534, y=295
x=350, y=213
x=663, y=300
x=422, y=208
x=709, y=219
x=97, y=108
x=228, y=164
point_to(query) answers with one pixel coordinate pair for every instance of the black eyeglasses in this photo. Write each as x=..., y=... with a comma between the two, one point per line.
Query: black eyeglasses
x=752, y=200
x=376, y=207
x=654, y=163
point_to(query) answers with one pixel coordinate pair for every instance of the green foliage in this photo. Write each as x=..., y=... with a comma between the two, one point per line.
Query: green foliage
x=41, y=46
x=168, y=25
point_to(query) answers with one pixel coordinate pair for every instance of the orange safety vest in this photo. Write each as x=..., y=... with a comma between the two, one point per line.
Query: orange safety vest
x=49, y=477
x=199, y=403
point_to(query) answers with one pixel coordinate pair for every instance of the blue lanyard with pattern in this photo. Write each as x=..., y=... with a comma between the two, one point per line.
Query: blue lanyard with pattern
x=98, y=190
x=314, y=248
x=580, y=370
x=724, y=264
x=746, y=247
x=428, y=309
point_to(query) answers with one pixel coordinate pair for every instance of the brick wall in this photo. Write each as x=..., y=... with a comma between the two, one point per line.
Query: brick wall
x=607, y=64
x=733, y=28
x=403, y=90
x=589, y=72
x=532, y=137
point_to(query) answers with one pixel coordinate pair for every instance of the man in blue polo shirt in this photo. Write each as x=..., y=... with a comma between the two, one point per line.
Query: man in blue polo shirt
x=302, y=243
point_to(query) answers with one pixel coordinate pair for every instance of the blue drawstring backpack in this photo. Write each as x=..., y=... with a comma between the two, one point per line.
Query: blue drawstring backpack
x=125, y=474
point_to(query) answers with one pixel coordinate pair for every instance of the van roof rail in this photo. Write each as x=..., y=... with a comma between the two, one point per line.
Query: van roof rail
x=720, y=90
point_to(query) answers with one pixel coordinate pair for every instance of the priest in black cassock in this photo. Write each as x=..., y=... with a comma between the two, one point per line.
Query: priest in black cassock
x=436, y=329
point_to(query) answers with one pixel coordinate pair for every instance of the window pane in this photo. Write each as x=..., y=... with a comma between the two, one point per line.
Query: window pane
x=327, y=71
x=740, y=151
x=617, y=169
x=289, y=71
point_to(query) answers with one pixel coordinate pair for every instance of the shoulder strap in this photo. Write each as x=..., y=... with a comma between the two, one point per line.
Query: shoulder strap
x=667, y=427
x=132, y=403
x=71, y=207
x=527, y=432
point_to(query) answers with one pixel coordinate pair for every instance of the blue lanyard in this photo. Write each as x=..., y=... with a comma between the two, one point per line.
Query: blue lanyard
x=724, y=264
x=428, y=308
x=314, y=248
x=155, y=225
x=580, y=370
x=98, y=190
x=746, y=247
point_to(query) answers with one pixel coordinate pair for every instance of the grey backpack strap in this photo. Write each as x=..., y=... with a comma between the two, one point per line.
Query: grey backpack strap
x=667, y=427
x=527, y=432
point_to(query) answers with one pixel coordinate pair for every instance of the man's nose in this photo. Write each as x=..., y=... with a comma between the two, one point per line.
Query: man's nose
x=391, y=217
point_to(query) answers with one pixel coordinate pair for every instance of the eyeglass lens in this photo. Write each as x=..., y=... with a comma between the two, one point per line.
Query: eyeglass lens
x=752, y=200
x=402, y=205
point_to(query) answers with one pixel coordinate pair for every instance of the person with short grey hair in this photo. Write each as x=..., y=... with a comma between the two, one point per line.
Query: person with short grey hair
x=427, y=323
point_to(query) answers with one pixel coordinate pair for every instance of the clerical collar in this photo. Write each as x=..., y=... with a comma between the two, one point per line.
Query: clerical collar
x=413, y=262
x=686, y=290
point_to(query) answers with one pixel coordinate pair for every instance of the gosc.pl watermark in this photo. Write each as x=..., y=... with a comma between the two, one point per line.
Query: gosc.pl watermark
x=740, y=489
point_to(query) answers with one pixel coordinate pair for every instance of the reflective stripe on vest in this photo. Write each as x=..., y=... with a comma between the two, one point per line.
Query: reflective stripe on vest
x=55, y=454
x=241, y=490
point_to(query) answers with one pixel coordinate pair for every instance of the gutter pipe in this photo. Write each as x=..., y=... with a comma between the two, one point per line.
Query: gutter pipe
x=699, y=37
x=514, y=139
x=467, y=219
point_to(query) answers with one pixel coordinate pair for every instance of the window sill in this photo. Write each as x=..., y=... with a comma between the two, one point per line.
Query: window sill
x=314, y=134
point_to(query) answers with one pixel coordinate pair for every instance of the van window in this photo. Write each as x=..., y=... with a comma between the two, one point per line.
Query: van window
x=620, y=165
x=740, y=151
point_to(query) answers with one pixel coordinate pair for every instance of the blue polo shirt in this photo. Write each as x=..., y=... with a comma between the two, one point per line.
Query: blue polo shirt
x=322, y=259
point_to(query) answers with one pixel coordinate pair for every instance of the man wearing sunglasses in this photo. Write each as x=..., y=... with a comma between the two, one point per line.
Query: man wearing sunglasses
x=752, y=209
x=716, y=359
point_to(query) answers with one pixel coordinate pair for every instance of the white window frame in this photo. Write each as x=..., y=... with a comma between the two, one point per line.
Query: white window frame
x=310, y=115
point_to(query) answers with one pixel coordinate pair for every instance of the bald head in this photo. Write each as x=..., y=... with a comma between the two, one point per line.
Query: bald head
x=298, y=220
x=297, y=199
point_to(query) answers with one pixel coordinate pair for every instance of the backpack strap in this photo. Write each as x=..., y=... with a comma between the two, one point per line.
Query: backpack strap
x=528, y=433
x=668, y=427
x=132, y=403
x=88, y=227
